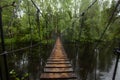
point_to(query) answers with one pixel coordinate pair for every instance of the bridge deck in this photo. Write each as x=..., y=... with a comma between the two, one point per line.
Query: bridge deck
x=58, y=65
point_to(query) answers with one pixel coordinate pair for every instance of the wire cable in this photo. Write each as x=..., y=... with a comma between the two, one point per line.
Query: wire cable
x=108, y=24
x=90, y=6
x=17, y=50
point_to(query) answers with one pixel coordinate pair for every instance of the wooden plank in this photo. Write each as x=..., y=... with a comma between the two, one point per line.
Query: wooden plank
x=58, y=59
x=58, y=70
x=58, y=65
x=58, y=76
x=59, y=62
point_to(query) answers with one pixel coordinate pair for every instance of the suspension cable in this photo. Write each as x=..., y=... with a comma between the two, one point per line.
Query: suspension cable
x=83, y=13
x=29, y=24
x=37, y=16
x=12, y=21
x=108, y=24
x=35, y=5
x=17, y=50
x=90, y=6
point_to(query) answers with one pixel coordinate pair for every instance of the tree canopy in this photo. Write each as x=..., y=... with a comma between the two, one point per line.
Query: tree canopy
x=63, y=16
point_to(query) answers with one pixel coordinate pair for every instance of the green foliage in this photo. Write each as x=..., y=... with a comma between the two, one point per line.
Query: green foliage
x=21, y=24
x=58, y=16
x=14, y=75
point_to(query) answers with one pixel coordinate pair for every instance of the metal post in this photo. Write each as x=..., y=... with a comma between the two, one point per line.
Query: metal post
x=5, y=71
x=117, y=51
x=1, y=77
x=116, y=65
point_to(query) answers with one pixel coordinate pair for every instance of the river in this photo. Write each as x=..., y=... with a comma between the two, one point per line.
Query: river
x=88, y=63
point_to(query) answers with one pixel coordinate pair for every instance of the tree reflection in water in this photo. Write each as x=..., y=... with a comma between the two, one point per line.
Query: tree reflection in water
x=82, y=59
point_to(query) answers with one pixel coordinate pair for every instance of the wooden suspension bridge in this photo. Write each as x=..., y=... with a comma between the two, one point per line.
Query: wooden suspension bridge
x=58, y=66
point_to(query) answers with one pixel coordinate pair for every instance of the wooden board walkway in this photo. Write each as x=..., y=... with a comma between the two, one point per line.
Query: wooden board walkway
x=58, y=66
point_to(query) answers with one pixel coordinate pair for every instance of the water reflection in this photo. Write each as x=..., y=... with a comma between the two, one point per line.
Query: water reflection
x=29, y=62
x=93, y=67
x=87, y=66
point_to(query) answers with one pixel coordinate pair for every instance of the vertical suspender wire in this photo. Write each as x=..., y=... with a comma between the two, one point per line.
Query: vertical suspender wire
x=2, y=40
x=37, y=18
x=106, y=28
x=78, y=47
x=6, y=71
x=46, y=30
x=29, y=24
x=83, y=13
x=74, y=43
x=76, y=50
x=12, y=20
x=3, y=46
x=1, y=78
x=38, y=26
x=7, y=31
x=96, y=55
x=11, y=35
x=96, y=52
x=11, y=23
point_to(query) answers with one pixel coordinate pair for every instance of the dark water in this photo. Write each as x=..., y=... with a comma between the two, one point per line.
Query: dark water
x=89, y=64
x=93, y=64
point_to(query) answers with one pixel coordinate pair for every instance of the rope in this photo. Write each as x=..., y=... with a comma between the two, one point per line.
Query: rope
x=35, y=5
x=37, y=8
x=37, y=16
x=83, y=13
x=88, y=8
x=17, y=50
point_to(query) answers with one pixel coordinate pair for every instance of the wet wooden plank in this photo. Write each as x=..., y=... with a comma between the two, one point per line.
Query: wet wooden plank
x=58, y=59
x=58, y=70
x=58, y=76
x=58, y=62
x=58, y=65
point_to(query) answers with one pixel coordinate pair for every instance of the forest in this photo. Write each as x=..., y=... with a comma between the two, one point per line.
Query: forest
x=37, y=23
